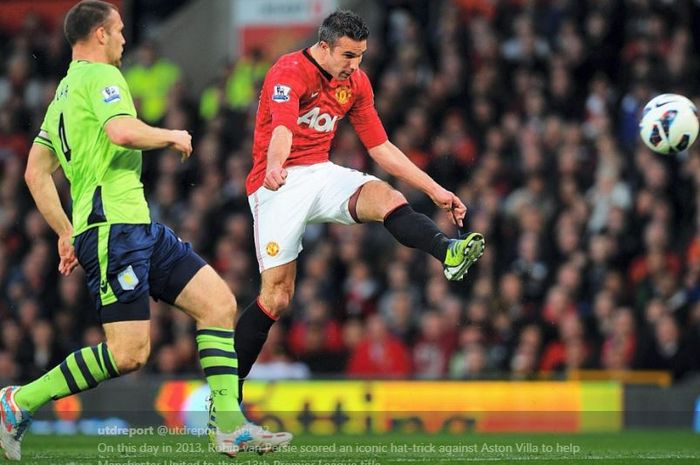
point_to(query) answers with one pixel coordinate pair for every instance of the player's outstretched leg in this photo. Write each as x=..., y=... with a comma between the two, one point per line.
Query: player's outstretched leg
x=207, y=298
x=252, y=328
x=416, y=230
x=229, y=431
x=82, y=370
x=377, y=201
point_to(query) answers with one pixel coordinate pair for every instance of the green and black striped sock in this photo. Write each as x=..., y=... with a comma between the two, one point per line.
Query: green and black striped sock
x=220, y=364
x=82, y=370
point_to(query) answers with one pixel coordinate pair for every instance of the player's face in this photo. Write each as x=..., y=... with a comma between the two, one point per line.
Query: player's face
x=345, y=57
x=114, y=38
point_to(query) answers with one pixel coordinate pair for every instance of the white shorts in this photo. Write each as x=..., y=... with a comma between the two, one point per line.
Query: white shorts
x=316, y=193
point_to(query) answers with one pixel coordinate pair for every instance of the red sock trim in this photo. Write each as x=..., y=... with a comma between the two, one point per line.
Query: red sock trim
x=265, y=310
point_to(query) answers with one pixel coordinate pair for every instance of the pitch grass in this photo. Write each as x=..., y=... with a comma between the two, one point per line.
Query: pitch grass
x=632, y=447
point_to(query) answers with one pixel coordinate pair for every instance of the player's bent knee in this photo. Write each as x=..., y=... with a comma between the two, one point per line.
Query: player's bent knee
x=129, y=344
x=130, y=359
x=394, y=199
x=230, y=303
x=391, y=200
x=208, y=299
x=221, y=301
x=222, y=312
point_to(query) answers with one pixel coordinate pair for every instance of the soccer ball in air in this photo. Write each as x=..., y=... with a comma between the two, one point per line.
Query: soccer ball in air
x=669, y=124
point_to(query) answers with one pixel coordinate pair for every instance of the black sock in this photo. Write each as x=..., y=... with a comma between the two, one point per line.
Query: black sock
x=417, y=231
x=251, y=332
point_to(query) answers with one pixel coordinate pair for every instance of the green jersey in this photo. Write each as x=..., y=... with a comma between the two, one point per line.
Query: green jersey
x=105, y=178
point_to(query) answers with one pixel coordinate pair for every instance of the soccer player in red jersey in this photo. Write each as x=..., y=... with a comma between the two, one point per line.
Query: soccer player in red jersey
x=293, y=183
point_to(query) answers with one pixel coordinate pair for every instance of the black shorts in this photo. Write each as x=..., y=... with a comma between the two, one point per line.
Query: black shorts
x=125, y=263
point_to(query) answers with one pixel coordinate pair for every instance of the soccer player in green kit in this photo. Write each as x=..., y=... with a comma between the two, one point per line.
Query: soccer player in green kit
x=91, y=131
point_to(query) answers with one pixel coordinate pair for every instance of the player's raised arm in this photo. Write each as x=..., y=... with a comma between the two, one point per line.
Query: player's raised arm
x=133, y=133
x=41, y=164
x=392, y=160
x=113, y=106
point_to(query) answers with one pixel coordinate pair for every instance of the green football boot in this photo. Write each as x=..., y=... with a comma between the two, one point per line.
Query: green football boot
x=462, y=254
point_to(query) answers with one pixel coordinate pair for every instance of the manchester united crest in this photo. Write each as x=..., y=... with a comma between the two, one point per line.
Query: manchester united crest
x=272, y=248
x=343, y=94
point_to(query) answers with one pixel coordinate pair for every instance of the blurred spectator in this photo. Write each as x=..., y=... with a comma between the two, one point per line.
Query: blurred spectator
x=150, y=81
x=530, y=267
x=247, y=75
x=360, y=289
x=274, y=361
x=316, y=339
x=401, y=317
x=8, y=368
x=607, y=192
x=379, y=354
x=470, y=360
x=668, y=351
x=620, y=344
x=166, y=360
x=570, y=350
x=523, y=363
x=432, y=351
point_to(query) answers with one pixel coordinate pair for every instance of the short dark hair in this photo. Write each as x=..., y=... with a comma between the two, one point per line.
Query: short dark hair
x=342, y=23
x=84, y=17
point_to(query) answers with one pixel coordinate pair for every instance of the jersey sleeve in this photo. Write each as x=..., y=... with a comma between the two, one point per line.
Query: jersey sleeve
x=364, y=118
x=44, y=138
x=286, y=87
x=110, y=95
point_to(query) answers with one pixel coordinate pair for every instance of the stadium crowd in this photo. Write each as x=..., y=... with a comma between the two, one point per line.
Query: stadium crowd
x=527, y=109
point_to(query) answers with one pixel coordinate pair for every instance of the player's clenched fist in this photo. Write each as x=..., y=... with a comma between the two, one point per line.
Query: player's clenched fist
x=182, y=142
x=275, y=178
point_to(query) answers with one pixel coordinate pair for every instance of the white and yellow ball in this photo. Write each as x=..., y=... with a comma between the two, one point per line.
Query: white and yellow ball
x=669, y=124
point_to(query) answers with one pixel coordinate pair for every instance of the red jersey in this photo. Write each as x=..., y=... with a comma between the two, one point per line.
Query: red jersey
x=302, y=96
